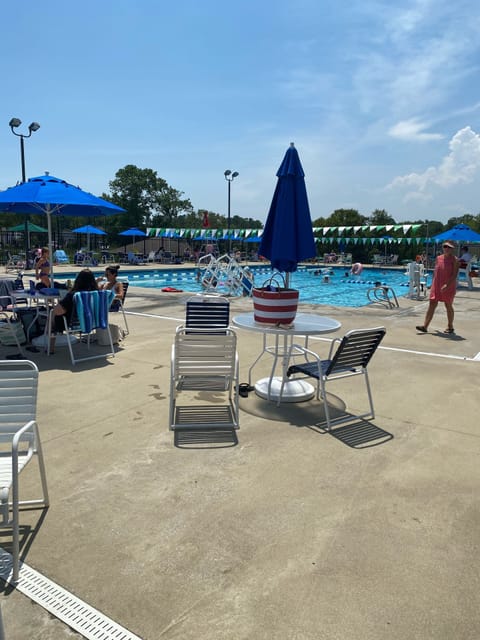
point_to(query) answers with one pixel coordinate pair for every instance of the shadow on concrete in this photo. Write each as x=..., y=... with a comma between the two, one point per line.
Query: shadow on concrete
x=27, y=537
x=361, y=434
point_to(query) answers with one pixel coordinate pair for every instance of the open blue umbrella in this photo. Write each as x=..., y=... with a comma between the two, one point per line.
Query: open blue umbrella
x=134, y=233
x=459, y=233
x=89, y=230
x=52, y=196
x=288, y=235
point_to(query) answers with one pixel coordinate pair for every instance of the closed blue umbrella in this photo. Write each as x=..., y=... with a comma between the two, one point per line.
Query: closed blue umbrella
x=288, y=236
x=52, y=196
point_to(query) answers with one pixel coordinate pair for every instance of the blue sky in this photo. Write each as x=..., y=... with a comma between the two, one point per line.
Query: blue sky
x=381, y=98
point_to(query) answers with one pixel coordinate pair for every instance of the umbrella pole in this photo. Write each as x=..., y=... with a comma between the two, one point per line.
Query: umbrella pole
x=50, y=247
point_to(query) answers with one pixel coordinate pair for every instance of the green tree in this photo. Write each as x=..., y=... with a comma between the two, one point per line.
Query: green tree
x=467, y=218
x=380, y=216
x=148, y=199
x=345, y=218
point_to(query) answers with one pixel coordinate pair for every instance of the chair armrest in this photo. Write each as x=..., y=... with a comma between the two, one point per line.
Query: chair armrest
x=18, y=434
x=16, y=441
x=333, y=346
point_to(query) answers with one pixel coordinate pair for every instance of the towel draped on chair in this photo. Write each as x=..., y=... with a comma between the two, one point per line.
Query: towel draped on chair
x=92, y=309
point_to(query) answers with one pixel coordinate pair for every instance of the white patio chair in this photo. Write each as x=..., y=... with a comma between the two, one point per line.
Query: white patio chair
x=20, y=442
x=205, y=362
x=468, y=276
x=351, y=358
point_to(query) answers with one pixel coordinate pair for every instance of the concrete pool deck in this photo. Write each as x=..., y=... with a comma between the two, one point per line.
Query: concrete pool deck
x=291, y=533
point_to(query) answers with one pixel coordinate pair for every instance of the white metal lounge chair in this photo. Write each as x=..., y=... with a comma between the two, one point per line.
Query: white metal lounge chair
x=20, y=442
x=351, y=358
x=205, y=362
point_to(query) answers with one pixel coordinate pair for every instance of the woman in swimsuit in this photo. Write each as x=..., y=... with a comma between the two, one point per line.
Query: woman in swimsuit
x=112, y=283
x=42, y=269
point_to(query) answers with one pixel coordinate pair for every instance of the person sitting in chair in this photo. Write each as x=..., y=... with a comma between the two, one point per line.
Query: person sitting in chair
x=112, y=284
x=85, y=281
x=465, y=258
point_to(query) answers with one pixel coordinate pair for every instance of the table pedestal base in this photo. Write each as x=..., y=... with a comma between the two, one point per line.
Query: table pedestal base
x=293, y=390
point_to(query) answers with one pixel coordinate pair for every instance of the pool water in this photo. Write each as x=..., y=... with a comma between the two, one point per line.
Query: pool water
x=316, y=286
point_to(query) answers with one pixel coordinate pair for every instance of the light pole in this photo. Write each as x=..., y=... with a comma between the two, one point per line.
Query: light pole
x=34, y=126
x=229, y=177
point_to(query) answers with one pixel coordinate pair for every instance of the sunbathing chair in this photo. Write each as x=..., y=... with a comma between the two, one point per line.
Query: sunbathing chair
x=15, y=263
x=11, y=329
x=60, y=256
x=351, y=358
x=20, y=442
x=206, y=365
x=90, y=313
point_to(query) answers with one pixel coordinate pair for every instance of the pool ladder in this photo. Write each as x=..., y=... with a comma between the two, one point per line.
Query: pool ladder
x=384, y=295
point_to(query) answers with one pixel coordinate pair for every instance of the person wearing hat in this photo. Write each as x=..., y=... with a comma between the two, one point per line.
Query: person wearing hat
x=444, y=287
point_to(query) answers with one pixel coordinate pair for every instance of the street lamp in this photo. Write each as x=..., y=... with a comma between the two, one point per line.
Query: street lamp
x=229, y=177
x=34, y=126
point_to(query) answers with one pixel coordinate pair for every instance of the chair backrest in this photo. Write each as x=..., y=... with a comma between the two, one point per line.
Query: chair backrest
x=205, y=354
x=125, y=289
x=91, y=309
x=355, y=350
x=207, y=312
x=18, y=395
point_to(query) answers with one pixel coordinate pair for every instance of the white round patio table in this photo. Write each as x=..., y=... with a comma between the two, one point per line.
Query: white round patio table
x=280, y=388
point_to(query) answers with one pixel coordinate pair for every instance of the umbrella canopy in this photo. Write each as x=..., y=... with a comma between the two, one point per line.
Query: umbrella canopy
x=53, y=196
x=459, y=233
x=89, y=230
x=133, y=233
x=31, y=228
x=288, y=235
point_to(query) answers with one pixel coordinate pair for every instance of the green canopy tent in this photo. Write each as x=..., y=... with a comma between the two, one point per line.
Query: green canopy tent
x=31, y=228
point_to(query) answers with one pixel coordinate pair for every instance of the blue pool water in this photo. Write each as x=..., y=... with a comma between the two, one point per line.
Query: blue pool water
x=341, y=290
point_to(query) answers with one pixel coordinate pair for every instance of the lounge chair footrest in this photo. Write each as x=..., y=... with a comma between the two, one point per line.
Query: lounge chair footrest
x=203, y=417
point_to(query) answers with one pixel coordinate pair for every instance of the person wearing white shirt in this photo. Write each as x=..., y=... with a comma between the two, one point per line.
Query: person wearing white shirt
x=465, y=258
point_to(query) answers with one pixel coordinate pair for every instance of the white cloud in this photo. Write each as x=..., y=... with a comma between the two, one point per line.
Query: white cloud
x=460, y=166
x=413, y=129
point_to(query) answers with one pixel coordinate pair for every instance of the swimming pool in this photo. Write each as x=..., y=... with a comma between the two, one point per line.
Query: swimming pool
x=339, y=288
